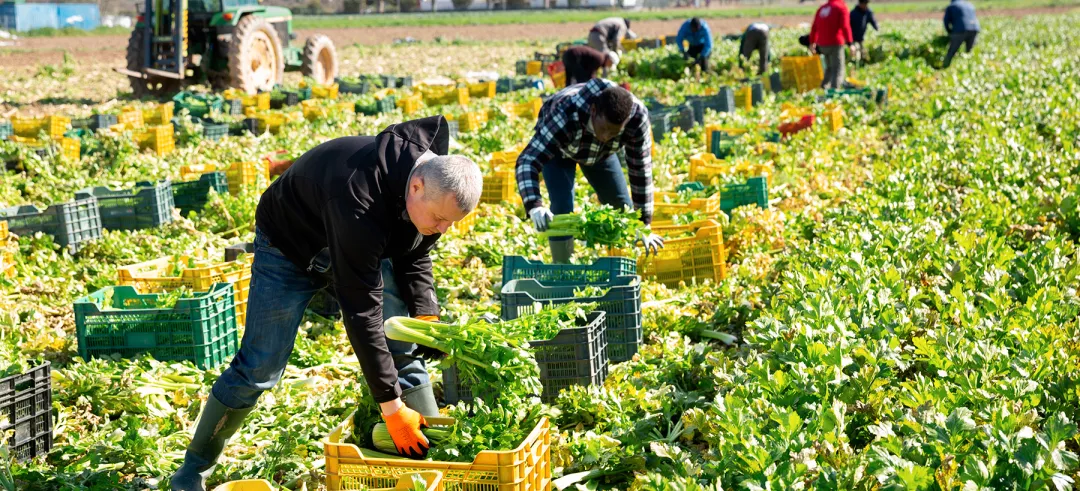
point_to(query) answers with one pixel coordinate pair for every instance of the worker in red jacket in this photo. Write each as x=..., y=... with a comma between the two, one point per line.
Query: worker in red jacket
x=829, y=33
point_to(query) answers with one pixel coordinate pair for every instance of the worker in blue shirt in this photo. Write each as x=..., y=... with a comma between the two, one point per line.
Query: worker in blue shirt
x=962, y=26
x=696, y=34
x=861, y=18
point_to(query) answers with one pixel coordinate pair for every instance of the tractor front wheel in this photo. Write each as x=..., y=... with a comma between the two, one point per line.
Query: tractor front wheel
x=155, y=87
x=256, y=58
x=320, y=60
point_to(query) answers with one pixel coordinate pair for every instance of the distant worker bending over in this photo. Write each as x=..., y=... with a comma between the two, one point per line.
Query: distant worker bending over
x=608, y=34
x=962, y=26
x=582, y=63
x=829, y=33
x=696, y=34
x=756, y=38
x=861, y=18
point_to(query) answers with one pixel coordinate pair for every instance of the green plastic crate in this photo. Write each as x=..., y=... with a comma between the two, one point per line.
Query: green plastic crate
x=198, y=105
x=191, y=196
x=384, y=105
x=71, y=224
x=621, y=302
x=754, y=192
x=722, y=145
x=602, y=270
x=147, y=205
x=118, y=320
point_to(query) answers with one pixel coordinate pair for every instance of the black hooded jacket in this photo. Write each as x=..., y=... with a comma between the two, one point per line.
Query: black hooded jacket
x=348, y=196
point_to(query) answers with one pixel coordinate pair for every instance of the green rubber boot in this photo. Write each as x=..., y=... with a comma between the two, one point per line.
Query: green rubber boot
x=561, y=250
x=421, y=399
x=217, y=424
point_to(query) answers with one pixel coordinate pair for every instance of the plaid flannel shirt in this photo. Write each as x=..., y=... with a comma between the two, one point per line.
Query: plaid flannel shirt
x=563, y=130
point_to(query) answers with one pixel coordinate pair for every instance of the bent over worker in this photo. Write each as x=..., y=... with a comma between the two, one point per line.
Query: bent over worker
x=608, y=34
x=582, y=63
x=695, y=32
x=585, y=125
x=361, y=213
x=756, y=38
x=962, y=27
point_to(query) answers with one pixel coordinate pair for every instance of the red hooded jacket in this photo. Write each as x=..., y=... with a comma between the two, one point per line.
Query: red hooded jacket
x=832, y=25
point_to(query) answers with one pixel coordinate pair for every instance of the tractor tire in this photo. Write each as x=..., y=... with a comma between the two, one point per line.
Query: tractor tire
x=141, y=87
x=256, y=58
x=320, y=60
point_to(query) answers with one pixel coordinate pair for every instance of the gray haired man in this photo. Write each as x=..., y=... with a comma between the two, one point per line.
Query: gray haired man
x=360, y=213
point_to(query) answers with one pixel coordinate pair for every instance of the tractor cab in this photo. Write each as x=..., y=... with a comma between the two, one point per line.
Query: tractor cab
x=223, y=43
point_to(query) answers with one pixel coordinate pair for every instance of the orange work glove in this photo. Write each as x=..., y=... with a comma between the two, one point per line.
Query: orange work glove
x=404, y=427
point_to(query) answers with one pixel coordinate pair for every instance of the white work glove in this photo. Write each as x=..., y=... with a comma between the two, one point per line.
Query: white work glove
x=650, y=241
x=541, y=217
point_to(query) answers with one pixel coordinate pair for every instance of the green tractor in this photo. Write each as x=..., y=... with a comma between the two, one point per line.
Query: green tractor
x=223, y=43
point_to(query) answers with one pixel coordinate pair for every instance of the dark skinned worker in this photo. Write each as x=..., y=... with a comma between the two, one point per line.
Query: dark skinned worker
x=585, y=125
x=696, y=34
x=582, y=63
x=362, y=214
x=756, y=38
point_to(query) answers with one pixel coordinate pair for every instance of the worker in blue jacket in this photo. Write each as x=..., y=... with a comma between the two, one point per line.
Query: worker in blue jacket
x=696, y=35
x=861, y=18
x=962, y=26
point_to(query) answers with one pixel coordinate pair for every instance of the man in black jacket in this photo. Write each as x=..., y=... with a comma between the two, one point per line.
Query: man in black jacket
x=361, y=213
x=861, y=18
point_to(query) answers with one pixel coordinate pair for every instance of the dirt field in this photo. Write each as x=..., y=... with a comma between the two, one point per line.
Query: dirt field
x=110, y=49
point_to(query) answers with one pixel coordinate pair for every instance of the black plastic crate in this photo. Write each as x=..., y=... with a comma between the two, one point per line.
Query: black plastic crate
x=251, y=125
x=234, y=251
x=671, y=40
x=384, y=105
x=757, y=93
x=723, y=101
x=26, y=404
x=775, y=85
x=388, y=81
x=359, y=87
x=661, y=123
x=575, y=356
x=452, y=128
x=236, y=107
x=621, y=302
x=521, y=67
x=191, y=196
x=545, y=57
x=603, y=270
x=71, y=224
x=212, y=130
x=147, y=205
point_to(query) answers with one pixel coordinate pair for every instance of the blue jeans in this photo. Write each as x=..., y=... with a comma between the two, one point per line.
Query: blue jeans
x=606, y=178
x=279, y=294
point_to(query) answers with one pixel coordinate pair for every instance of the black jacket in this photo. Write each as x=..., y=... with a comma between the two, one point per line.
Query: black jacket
x=348, y=195
x=860, y=18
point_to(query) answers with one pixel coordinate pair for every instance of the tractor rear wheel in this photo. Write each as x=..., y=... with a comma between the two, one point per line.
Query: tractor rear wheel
x=256, y=58
x=155, y=87
x=320, y=60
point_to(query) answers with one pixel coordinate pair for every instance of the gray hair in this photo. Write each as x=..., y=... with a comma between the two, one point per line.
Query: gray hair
x=453, y=174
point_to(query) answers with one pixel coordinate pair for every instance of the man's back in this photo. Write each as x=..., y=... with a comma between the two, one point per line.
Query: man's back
x=960, y=17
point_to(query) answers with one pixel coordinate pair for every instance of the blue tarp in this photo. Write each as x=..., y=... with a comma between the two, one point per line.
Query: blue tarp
x=27, y=16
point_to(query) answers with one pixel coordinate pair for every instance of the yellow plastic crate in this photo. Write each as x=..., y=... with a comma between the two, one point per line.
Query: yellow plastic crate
x=744, y=98
x=243, y=175
x=155, y=276
x=157, y=138
x=261, y=101
x=858, y=84
x=7, y=264
x=439, y=95
x=525, y=468
x=130, y=118
x=71, y=148
x=4, y=234
x=54, y=126
x=313, y=110
x=710, y=128
x=158, y=113
x=835, y=116
x=534, y=67
x=666, y=206
x=482, y=89
x=685, y=259
x=630, y=44
x=506, y=159
x=411, y=104
x=529, y=109
x=500, y=186
x=706, y=168
x=327, y=92
x=558, y=80
x=802, y=73
x=473, y=120
x=464, y=225
x=273, y=121
x=404, y=483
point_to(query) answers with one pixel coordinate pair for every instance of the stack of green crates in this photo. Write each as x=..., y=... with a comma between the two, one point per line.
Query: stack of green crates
x=191, y=196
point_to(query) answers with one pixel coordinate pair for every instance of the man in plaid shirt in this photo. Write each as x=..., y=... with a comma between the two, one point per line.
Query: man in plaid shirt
x=586, y=124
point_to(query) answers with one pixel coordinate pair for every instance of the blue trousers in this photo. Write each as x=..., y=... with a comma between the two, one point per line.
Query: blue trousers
x=606, y=178
x=278, y=295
